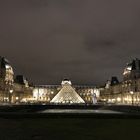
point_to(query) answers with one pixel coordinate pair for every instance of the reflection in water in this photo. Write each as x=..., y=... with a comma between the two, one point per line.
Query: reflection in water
x=79, y=111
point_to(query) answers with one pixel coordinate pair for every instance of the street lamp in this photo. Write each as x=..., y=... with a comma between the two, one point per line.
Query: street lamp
x=11, y=91
x=132, y=94
x=10, y=96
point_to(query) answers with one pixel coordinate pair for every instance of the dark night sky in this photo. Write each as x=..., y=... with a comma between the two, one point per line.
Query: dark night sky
x=85, y=40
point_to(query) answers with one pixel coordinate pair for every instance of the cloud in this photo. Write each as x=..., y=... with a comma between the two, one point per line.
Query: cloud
x=85, y=40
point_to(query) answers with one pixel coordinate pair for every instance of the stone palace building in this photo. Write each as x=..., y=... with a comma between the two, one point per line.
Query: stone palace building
x=16, y=89
x=128, y=90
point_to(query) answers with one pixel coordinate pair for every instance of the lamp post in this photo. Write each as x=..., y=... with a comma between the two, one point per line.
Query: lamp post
x=10, y=95
x=132, y=94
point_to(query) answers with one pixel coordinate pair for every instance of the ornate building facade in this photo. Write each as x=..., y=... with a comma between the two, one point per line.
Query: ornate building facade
x=46, y=93
x=12, y=90
x=17, y=90
x=6, y=80
x=127, y=91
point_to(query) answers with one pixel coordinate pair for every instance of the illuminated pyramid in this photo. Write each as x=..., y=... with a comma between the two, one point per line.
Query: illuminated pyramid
x=67, y=95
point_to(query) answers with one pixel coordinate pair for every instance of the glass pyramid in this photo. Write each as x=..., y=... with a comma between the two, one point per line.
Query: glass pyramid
x=67, y=95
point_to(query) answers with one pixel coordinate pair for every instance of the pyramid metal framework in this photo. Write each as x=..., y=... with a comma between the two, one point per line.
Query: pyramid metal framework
x=67, y=95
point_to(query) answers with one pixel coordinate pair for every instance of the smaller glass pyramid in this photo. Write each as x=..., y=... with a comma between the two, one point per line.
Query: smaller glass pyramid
x=67, y=95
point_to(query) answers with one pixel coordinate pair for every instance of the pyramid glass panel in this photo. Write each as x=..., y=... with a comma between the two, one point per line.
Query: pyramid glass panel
x=67, y=95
